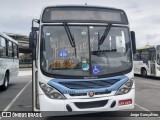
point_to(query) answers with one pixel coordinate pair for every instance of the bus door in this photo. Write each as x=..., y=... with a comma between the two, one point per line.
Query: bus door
x=152, y=57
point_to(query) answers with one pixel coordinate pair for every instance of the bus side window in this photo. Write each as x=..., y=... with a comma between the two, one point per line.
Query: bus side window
x=10, y=50
x=152, y=54
x=2, y=47
x=158, y=58
x=15, y=51
x=137, y=56
x=145, y=54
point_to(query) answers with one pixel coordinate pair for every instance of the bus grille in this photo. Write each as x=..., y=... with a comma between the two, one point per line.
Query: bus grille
x=95, y=104
x=88, y=84
x=96, y=93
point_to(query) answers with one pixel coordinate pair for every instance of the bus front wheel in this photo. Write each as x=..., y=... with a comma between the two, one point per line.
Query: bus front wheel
x=144, y=72
x=6, y=82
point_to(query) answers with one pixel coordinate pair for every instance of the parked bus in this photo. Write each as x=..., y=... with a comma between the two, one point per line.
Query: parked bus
x=9, y=62
x=147, y=61
x=82, y=60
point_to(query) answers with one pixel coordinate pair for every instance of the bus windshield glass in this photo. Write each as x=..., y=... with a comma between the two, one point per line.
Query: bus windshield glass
x=87, y=57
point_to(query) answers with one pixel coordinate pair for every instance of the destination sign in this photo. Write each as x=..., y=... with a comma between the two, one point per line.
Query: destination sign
x=84, y=14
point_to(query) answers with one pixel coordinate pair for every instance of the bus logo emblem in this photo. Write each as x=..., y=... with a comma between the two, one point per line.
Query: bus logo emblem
x=91, y=93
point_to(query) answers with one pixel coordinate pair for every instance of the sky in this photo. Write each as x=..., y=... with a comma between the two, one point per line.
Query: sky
x=143, y=15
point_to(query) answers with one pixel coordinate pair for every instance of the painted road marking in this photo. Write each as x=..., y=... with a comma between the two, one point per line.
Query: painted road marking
x=144, y=108
x=12, y=102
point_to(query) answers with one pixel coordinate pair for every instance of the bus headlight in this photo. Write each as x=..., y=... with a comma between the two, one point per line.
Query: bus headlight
x=124, y=89
x=51, y=92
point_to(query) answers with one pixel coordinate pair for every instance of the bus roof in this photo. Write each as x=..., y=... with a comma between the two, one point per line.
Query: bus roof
x=9, y=38
x=72, y=13
x=93, y=6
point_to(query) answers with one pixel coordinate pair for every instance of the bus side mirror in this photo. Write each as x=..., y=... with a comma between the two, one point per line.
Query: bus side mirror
x=133, y=38
x=33, y=38
x=30, y=40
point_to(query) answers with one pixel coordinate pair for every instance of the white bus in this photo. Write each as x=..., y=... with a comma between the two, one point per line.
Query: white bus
x=147, y=61
x=9, y=62
x=82, y=60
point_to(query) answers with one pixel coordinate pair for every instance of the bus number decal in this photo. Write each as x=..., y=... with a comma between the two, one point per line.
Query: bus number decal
x=63, y=53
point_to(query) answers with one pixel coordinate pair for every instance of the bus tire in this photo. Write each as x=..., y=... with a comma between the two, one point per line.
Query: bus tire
x=144, y=72
x=5, y=83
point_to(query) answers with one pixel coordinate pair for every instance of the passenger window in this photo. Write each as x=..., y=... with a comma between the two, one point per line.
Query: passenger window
x=2, y=47
x=15, y=51
x=10, y=49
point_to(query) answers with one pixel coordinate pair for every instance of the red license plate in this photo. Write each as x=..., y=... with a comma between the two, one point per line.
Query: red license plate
x=125, y=102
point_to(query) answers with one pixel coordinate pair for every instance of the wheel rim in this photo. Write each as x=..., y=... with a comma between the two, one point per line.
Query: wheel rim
x=144, y=72
x=6, y=82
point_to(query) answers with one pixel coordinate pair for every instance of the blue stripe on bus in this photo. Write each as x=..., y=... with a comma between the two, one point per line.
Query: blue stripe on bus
x=64, y=90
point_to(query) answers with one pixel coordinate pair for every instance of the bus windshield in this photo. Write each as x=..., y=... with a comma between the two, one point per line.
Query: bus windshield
x=158, y=57
x=158, y=54
x=87, y=57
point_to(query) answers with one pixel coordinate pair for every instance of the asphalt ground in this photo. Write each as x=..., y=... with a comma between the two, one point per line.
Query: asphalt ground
x=18, y=97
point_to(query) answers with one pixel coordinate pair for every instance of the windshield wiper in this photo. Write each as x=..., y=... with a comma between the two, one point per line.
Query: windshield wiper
x=100, y=42
x=70, y=37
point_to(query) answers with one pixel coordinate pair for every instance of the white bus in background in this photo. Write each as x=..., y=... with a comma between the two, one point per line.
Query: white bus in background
x=9, y=61
x=82, y=60
x=147, y=61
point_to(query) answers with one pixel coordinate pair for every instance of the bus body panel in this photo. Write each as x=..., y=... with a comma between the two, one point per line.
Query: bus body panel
x=138, y=65
x=10, y=64
x=58, y=106
x=157, y=70
x=12, y=67
x=16, y=67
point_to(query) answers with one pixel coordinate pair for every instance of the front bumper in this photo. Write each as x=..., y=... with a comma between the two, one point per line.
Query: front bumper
x=51, y=107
